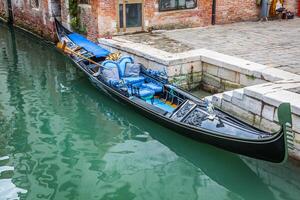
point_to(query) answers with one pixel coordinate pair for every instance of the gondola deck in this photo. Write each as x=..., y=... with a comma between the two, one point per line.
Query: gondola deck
x=151, y=94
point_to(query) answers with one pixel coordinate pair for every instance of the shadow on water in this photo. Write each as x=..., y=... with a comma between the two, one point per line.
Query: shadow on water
x=63, y=139
x=226, y=169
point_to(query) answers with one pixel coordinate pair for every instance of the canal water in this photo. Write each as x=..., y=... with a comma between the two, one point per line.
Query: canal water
x=60, y=138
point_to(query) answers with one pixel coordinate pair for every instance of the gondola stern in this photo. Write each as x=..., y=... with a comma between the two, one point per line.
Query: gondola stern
x=285, y=120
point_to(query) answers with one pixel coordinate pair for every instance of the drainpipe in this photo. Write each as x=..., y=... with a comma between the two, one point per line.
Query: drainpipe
x=10, y=13
x=299, y=8
x=213, y=16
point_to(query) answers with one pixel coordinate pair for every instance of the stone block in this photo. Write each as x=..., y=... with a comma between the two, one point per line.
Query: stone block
x=186, y=57
x=210, y=88
x=258, y=91
x=269, y=126
x=297, y=137
x=296, y=123
x=268, y=112
x=208, y=98
x=179, y=81
x=210, y=69
x=217, y=100
x=196, y=77
x=276, y=115
x=237, y=112
x=281, y=96
x=247, y=80
x=227, y=95
x=197, y=66
x=257, y=121
x=228, y=85
x=142, y=60
x=173, y=70
x=227, y=74
x=249, y=104
x=185, y=68
x=232, y=63
x=274, y=74
x=211, y=80
x=239, y=93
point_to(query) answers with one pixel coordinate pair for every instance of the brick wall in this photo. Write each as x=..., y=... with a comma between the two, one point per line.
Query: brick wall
x=229, y=11
x=65, y=16
x=88, y=20
x=107, y=17
x=36, y=20
x=101, y=17
x=199, y=16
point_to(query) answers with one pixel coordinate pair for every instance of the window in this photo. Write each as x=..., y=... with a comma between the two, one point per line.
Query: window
x=35, y=4
x=165, y=5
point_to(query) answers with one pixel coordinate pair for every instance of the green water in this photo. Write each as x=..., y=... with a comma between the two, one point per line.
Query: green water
x=60, y=138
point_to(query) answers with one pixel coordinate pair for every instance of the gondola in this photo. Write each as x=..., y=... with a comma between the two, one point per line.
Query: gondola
x=150, y=93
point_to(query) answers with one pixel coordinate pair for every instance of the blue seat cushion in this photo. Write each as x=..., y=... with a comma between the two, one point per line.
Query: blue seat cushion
x=156, y=87
x=133, y=79
x=146, y=93
x=122, y=62
x=142, y=92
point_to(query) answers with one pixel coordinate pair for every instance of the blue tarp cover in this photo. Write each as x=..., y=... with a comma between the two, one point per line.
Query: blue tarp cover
x=88, y=45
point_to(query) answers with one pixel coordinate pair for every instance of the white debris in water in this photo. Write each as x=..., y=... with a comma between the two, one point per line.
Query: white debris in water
x=63, y=88
x=4, y=158
x=6, y=168
x=8, y=190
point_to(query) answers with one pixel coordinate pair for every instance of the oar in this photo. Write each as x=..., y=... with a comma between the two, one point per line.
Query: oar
x=64, y=48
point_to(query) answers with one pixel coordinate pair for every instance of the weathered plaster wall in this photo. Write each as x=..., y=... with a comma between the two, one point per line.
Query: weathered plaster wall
x=37, y=20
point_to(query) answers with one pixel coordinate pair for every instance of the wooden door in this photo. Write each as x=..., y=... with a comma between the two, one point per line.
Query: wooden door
x=130, y=15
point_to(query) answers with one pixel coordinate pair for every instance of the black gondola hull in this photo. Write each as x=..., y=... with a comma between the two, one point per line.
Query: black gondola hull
x=271, y=149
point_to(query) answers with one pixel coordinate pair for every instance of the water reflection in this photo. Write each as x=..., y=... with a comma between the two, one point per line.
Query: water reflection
x=65, y=140
x=8, y=190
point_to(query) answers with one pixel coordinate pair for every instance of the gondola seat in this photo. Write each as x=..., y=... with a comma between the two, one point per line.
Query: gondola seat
x=144, y=93
x=133, y=79
x=156, y=87
x=129, y=72
x=122, y=63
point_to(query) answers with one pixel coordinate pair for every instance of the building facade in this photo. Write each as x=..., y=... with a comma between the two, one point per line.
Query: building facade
x=98, y=18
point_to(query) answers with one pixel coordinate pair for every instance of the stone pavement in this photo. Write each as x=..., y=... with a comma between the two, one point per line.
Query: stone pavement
x=273, y=43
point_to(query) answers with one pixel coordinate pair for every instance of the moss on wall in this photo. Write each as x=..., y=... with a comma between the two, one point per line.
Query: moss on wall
x=75, y=19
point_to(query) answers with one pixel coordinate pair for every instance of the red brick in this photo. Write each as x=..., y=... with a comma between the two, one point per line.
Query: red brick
x=101, y=17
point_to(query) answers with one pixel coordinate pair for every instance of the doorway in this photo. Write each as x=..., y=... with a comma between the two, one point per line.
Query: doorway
x=130, y=15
